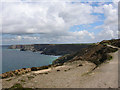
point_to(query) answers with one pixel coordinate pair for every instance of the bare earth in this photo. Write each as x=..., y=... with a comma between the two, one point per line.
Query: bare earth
x=70, y=75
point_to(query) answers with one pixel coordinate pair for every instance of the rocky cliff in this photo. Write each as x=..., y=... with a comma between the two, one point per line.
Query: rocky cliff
x=51, y=49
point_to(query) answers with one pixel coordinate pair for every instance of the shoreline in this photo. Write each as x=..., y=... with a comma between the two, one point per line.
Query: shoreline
x=25, y=70
x=21, y=68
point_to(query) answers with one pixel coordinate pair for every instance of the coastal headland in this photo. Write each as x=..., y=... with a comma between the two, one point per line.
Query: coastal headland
x=78, y=67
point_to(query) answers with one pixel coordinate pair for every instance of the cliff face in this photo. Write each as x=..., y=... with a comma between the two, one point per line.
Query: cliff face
x=28, y=47
x=51, y=49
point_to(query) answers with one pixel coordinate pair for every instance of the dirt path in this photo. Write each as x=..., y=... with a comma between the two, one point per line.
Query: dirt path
x=105, y=76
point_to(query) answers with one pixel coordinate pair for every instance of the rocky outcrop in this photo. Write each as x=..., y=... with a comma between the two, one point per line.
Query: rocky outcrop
x=40, y=68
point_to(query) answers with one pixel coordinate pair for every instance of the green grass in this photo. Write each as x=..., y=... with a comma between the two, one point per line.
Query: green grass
x=9, y=80
x=22, y=80
x=30, y=77
x=110, y=57
x=105, y=44
x=17, y=85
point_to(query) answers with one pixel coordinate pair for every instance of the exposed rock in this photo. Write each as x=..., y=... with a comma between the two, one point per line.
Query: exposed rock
x=80, y=65
x=16, y=72
x=58, y=70
x=34, y=69
x=22, y=49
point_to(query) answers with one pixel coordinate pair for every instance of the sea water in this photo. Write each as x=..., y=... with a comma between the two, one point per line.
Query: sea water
x=13, y=59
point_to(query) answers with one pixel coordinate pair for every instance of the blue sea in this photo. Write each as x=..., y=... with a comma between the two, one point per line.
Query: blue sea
x=13, y=59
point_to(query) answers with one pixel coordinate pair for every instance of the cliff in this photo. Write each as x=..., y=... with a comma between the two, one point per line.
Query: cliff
x=51, y=49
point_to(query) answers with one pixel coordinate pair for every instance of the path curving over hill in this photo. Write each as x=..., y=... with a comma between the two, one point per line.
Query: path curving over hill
x=105, y=76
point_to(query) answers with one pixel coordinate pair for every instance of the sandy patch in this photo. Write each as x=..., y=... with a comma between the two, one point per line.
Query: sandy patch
x=42, y=71
x=46, y=70
x=60, y=67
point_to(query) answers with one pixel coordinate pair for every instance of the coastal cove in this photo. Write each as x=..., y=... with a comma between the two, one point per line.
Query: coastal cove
x=13, y=59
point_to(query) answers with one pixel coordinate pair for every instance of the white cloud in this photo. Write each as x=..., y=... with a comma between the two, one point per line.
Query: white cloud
x=110, y=26
x=18, y=37
x=44, y=17
x=52, y=20
x=70, y=37
x=98, y=9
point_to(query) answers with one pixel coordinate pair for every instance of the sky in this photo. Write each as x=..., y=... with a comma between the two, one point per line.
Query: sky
x=54, y=21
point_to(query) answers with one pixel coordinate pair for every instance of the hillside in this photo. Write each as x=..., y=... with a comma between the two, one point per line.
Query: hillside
x=96, y=54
